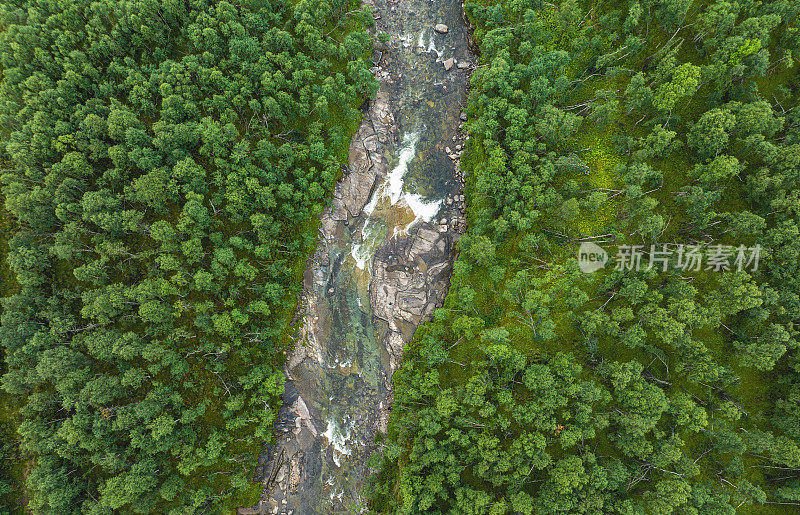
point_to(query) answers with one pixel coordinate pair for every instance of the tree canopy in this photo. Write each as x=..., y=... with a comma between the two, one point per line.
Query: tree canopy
x=673, y=388
x=163, y=164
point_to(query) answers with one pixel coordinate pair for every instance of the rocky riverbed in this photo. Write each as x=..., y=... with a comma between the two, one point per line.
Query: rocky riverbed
x=383, y=263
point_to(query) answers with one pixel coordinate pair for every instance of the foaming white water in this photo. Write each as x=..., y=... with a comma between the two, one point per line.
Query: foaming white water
x=338, y=439
x=423, y=209
x=405, y=39
x=363, y=251
x=392, y=189
x=360, y=255
x=430, y=46
x=394, y=182
x=339, y=364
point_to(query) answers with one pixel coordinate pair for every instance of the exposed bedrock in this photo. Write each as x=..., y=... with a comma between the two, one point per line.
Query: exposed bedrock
x=383, y=263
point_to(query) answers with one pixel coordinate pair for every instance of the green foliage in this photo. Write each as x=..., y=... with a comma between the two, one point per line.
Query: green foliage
x=547, y=390
x=683, y=83
x=164, y=163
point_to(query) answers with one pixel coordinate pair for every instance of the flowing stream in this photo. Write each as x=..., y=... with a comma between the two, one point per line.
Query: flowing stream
x=383, y=263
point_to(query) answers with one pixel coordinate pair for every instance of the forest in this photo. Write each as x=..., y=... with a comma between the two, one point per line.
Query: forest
x=538, y=388
x=162, y=164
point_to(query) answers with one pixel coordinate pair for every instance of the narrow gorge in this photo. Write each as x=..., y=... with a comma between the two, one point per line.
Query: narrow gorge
x=383, y=263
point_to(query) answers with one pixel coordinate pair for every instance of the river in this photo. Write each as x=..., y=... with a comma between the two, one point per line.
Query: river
x=383, y=262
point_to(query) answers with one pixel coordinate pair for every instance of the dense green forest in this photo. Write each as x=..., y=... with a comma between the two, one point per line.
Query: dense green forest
x=538, y=388
x=12, y=465
x=163, y=165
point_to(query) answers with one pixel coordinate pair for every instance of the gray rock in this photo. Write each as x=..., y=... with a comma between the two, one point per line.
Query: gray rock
x=409, y=277
x=463, y=65
x=463, y=117
x=281, y=475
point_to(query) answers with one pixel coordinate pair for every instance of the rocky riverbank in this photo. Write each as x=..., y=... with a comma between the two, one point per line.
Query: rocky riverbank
x=383, y=264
